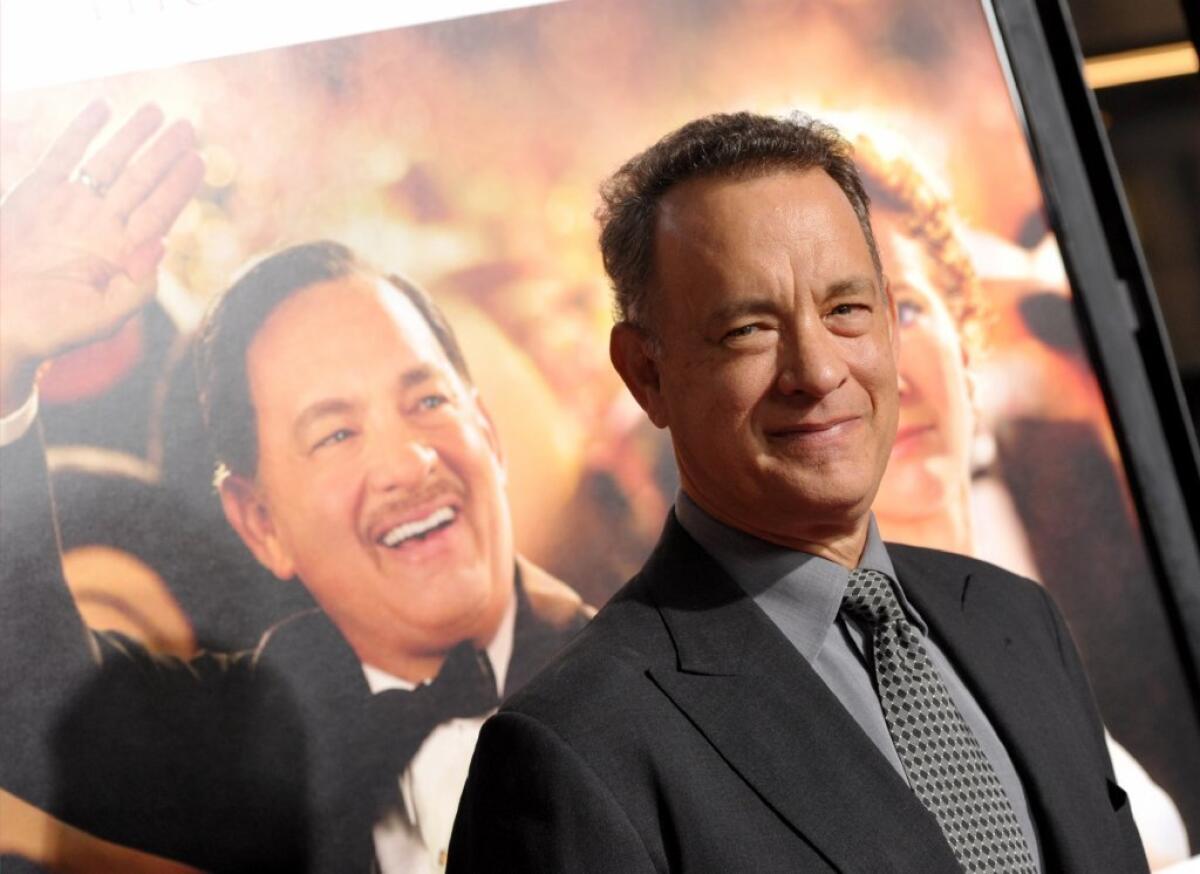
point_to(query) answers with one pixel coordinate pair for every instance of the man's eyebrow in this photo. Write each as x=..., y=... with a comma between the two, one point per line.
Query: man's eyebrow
x=340, y=406
x=319, y=410
x=849, y=287
x=742, y=307
x=734, y=310
x=417, y=375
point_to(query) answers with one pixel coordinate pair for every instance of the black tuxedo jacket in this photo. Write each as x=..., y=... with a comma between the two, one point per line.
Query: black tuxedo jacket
x=255, y=761
x=681, y=731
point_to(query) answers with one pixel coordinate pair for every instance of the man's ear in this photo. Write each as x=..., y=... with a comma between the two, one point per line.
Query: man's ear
x=632, y=354
x=251, y=518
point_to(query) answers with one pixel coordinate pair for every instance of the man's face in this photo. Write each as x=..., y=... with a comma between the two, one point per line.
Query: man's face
x=928, y=472
x=379, y=481
x=776, y=372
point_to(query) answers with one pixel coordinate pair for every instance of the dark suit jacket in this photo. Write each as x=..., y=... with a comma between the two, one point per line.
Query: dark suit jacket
x=682, y=732
x=255, y=761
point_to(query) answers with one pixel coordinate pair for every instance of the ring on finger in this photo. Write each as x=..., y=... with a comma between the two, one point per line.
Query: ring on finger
x=90, y=182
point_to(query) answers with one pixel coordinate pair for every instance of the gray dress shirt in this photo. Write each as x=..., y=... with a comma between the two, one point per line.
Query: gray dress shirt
x=802, y=595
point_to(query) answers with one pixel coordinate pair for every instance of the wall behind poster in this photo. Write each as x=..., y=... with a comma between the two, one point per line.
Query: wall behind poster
x=466, y=155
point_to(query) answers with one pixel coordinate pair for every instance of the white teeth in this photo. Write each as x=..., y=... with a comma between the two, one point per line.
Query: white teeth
x=419, y=527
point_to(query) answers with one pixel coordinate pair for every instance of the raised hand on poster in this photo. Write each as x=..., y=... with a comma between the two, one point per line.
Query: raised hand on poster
x=81, y=240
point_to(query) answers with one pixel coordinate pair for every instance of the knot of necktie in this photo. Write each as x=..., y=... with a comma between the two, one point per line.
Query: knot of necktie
x=399, y=720
x=869, y=596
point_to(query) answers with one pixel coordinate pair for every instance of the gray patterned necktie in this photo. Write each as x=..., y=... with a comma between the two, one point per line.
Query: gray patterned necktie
x=946, y=766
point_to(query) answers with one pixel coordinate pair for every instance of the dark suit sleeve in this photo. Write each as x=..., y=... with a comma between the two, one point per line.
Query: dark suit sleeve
x=45, y=650
x=1131, y=841
x=191, y=760
x=532, y=804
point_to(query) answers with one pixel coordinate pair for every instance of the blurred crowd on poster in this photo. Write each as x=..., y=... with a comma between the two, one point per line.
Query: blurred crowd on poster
x=465, y=155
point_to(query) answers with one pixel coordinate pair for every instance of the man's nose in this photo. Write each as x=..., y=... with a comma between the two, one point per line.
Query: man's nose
x=811, y=360
x=400, y=462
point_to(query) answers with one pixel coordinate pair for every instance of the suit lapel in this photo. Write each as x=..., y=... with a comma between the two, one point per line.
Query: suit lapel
x=762, y=707
x=1002, y=654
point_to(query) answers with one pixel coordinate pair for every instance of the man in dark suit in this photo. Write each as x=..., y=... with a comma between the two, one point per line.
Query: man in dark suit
x=777, y=689
x=356, y=458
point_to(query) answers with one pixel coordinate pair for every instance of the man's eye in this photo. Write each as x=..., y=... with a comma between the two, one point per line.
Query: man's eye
x=336, y=437
x=743, y=331
x=846, y=309
x=908, y=311
x=432, y=402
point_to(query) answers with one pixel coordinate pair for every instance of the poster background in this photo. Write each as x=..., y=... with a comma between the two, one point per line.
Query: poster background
x=466, y=155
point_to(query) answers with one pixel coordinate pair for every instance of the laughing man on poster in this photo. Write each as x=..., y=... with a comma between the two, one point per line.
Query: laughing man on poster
x=357, y=458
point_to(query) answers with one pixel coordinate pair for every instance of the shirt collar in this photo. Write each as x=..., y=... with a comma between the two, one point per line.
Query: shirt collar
x=499, y=653
x=800, y=592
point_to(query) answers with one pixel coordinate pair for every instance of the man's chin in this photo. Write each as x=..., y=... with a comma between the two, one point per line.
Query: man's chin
x=451, y=601
x=444, y=632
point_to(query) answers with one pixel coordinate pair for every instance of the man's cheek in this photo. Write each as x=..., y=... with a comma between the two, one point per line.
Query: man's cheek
x=334, y=476
x=327, y=510
x=734, y=391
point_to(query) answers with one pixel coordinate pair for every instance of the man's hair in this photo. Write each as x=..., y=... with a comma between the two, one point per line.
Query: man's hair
x=736, y=146
x=236, y=318
x=897, y=186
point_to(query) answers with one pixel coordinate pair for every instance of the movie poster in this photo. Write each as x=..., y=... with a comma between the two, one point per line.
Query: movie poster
x=462, y=158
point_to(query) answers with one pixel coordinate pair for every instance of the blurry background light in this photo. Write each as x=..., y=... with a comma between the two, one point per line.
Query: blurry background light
x=1141, y=65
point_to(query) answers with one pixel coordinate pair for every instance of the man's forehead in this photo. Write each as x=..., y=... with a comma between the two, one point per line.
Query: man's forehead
x=327, y=332
x=723, y=222
x=730, y=218
x=341, y=308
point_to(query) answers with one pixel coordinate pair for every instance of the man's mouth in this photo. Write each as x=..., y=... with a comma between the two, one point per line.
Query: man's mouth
x=419, y=529
x=802, y=429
